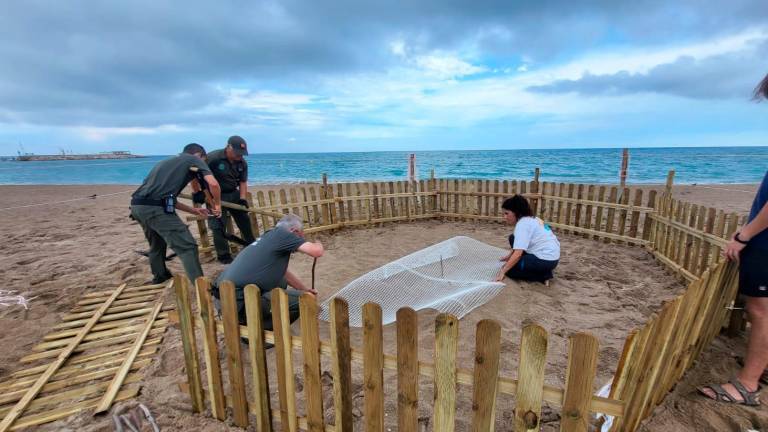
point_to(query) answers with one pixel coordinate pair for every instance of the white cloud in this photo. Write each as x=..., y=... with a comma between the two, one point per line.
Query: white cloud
x=447, y=66
x=104, y=133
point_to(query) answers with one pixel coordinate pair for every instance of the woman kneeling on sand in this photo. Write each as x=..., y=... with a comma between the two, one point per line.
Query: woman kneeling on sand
x=535, y=249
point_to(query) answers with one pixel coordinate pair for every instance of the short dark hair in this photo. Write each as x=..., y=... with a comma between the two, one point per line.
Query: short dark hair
x=518, y=205
x=761, y=91
x=193, y=148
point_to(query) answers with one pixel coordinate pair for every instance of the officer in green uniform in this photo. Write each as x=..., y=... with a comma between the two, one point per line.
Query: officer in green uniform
x=154, y=206
x=231, y=171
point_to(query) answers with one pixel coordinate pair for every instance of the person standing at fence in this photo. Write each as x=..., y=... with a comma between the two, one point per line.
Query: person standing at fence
x=264, y=263
x=535, y=249
x=749, y=247
x=231, y=171
x=154, y=205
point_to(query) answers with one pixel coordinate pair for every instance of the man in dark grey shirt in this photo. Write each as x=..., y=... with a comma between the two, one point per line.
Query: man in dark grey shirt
x=154, y=206
x=264, y=263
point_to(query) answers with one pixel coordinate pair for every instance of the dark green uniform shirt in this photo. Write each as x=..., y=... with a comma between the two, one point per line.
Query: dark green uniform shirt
x=228, y=174
x=170, y=177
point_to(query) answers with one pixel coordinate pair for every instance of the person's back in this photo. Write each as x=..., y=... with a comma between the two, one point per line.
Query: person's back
x=535, y=237
x=264, y=262
x=169, y=177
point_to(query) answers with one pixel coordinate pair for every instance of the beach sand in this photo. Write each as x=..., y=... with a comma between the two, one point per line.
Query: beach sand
x=56, y=253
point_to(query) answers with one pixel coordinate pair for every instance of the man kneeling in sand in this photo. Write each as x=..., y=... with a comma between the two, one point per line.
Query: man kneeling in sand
x=264, y=263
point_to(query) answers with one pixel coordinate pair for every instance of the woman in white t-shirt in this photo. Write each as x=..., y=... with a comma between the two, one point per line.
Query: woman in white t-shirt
x=535, y=249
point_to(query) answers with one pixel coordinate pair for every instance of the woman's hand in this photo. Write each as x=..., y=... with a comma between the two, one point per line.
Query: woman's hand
x=500, y=276
x=733, y=249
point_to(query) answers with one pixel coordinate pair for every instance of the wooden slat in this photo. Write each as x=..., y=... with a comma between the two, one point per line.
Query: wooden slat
x=580, y=375
x=211, y=348
x=157, y=329
x=122, y=373
x=486, y=375
x=186, y=324
x=22, y=404
x=68, y=410
x=507, y=386
x=260, y=406
x=46, y=403
x=623, y=200
x=446, y=346
x=610, y=219
x=284, y=358
x=342, y=367
x=648, y=222
x=407, y=370
x=58, y=384
x=577, y=221
x=373, y=368
x=313, y=387
x=234, y=355
x=530, y=385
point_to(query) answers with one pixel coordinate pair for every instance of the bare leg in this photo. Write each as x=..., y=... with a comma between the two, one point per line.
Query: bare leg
x=757, y=349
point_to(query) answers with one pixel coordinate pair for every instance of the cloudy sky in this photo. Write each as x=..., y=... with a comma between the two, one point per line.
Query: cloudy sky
x=349, y=75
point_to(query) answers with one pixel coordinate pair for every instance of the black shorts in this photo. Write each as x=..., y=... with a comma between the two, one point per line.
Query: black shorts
x=753, y=272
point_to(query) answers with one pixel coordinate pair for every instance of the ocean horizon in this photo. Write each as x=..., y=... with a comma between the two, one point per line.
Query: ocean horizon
x=692, y=165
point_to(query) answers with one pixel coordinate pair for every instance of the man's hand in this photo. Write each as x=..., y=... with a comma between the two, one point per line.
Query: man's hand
x=215, y=211
x=733, y=249
x=505, y=257
x=311, y=292
x=200, y=211
x=500, y=277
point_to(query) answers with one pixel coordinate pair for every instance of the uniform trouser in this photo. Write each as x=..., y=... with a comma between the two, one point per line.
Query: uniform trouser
x=218, y=224
x=162, y=230
x=530, y=267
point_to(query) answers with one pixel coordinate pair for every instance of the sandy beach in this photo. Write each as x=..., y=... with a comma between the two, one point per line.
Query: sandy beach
x=56, y=253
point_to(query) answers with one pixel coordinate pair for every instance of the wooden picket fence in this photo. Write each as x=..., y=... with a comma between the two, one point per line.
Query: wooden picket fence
x=576, y=399
x=657, y=355
x=685, y=237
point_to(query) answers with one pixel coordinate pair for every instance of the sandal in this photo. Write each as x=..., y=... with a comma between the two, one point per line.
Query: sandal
x=763, y=376
x=721, y=395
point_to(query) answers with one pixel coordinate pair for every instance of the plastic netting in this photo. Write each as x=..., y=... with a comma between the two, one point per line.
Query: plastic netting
x=453, y=276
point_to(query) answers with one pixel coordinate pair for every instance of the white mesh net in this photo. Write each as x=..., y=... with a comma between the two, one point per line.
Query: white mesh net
x=453, y=276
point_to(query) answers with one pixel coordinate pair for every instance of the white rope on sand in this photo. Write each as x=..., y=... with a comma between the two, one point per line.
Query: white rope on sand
x=66, y=201
x=10, y=298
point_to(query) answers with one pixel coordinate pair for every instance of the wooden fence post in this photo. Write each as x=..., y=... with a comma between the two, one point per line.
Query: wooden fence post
x=258, y=358
x=530, y=385
x=624, y=166
x=187, y=326
x=234, y=355
x=668, y=185
x=342, y=369
x=486, y=375
x=310, y=345
x=373, y=367
x=407, y=370
x=446, y=345
x=580, y=376
x=286, y=384
x=211, y=348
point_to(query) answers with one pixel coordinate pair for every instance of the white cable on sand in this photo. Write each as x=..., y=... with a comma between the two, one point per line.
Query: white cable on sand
x=66, y=201
x=10, y=298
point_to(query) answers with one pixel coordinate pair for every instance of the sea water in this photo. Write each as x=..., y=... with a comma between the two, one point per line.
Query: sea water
x=646, y=165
